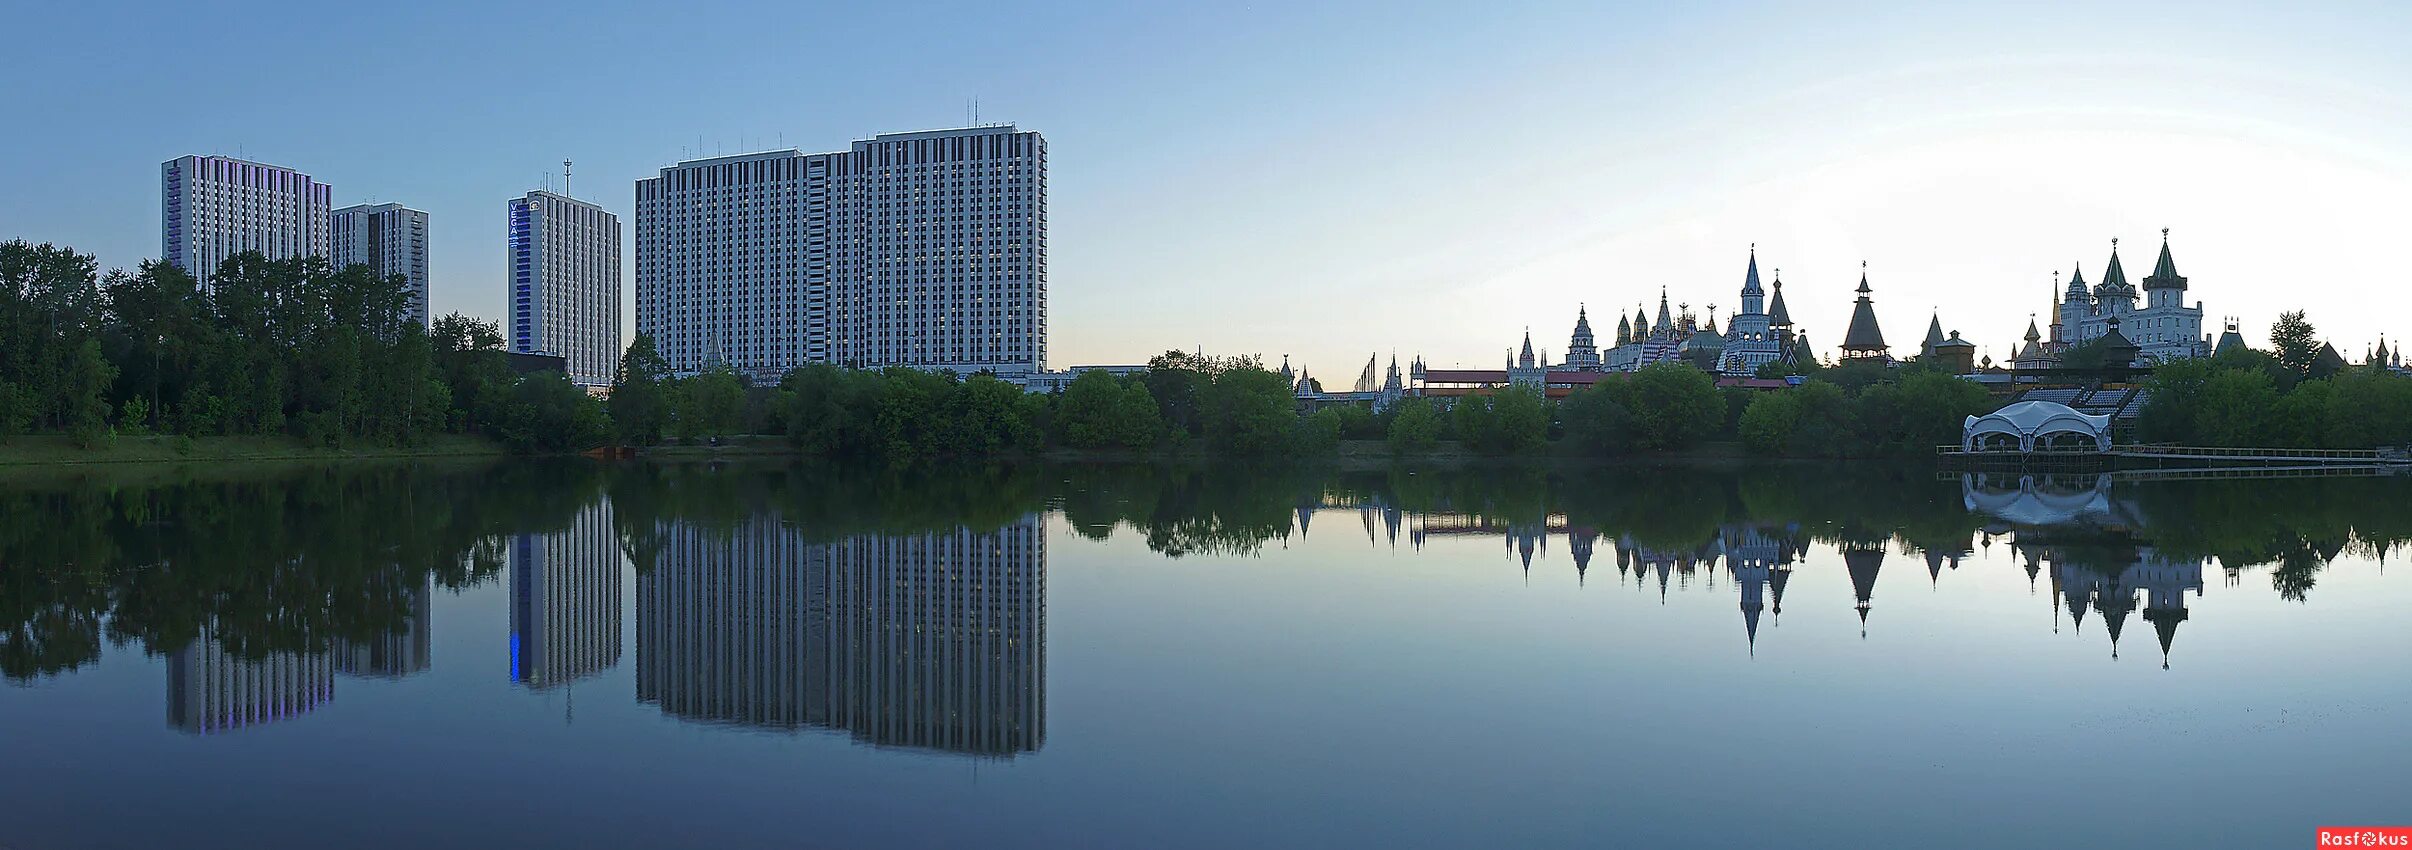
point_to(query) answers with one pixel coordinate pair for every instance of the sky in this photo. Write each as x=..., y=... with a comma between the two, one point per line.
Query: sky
x=1329, y=181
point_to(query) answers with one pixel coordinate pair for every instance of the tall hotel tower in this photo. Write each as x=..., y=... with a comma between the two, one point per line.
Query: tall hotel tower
x=214, y=207
x=565, y=284
x=391, y=240
x=912, y=249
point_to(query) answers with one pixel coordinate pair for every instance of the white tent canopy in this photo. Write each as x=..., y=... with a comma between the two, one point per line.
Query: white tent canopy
x=2031, y=423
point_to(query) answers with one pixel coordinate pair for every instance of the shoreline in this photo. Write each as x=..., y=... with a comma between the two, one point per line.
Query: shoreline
x=57, y=451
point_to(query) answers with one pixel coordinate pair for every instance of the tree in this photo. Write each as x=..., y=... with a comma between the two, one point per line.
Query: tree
x=2296, y=342
x=1100, y=411
x=1811, y=420
x=1674, y=406
x=87, y=394
x=831, y=410
x=1414, y=426
x=1596, y=422
x=709, y=405
x=1513, y=420
x=640, y=404
x=1248, y=411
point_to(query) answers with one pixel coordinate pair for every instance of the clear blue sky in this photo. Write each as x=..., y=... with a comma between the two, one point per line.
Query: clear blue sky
x=1330, y=180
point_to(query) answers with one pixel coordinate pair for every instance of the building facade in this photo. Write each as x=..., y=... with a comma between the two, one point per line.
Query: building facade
x=214, y=207
x=2162, y=327
x=391, y=240
x=564, y=266
x=926, y=250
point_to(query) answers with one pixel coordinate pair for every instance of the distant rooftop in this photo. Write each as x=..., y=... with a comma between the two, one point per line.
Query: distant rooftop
x=790, y=153
x=558, y=196
x=983, y=130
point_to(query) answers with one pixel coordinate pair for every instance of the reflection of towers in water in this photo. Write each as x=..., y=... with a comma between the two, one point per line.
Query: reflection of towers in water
x=565, y=601
x=1863, y=559
x=932, y=640
x=394, y=654
x=212, y=691
x=2163, y=583
x=1760, y=562
x=1676, y=563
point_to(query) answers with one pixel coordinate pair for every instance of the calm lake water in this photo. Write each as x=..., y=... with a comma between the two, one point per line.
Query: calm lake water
x=570, y=655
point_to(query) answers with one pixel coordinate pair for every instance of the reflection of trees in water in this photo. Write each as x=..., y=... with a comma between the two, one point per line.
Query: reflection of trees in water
x=283, y=561
x=298, y=560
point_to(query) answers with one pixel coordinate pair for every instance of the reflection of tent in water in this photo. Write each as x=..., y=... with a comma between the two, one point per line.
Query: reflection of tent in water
x=2043, y=499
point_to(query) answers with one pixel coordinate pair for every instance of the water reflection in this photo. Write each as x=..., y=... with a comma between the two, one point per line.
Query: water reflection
x=211, y=690
x=932, y=641
x=565, y=601
x=907, y=608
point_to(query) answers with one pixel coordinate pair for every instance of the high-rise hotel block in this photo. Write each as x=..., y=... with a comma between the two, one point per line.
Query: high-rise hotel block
x=924, y=249
x=391, y=240
x=564, y=269
x=214, y=207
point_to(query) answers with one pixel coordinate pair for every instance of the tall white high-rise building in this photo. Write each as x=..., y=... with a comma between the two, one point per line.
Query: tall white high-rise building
x=565, y=284
x=214, y=207
x=390, y=239
x=911, y=249
x=732, y=261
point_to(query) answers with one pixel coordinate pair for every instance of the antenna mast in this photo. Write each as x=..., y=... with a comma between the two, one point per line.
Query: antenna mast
x=565, y=179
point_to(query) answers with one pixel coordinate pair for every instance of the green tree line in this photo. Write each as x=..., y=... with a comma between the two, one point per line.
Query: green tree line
x=269, y=347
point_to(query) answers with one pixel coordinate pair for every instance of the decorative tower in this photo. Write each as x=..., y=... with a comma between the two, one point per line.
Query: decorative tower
x=1779, y=320
x=1753, y=299
x=2165, y=287
x=2076, y=305
x=1624, y=331
x=2114, y=295
x=1863, y=340
x=1581, y=354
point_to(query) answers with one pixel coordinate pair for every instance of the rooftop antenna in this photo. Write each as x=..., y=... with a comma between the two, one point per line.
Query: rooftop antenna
x=565, y=179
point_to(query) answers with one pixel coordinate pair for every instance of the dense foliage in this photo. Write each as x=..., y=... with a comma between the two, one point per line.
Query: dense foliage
x=1907, y=416
x=291, y=347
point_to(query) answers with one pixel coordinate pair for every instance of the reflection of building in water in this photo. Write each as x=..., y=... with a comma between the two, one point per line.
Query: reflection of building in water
x=395, y=654
x=565, y=601
x=211, y=691
x=2112, y=590
x=1863, y=559
x=933, y=641
x=1760, y=560
x=2098, y=562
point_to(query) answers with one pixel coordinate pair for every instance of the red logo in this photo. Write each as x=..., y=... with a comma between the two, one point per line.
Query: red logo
x=2365, y=836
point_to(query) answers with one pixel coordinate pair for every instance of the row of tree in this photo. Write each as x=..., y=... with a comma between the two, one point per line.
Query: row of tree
x=296, y=347
x=2300, y=396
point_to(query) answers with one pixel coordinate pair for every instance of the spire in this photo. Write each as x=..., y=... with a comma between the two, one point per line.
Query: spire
x=1666, y=320
x=1777, y=316
x=1863, y=338
x=1641, y=323
x=2033, y=335
x=1750, y=279
x=1934, y=335
x=1526, y=357
x=2114, y=279
x=2076, y=291
x=2164, y=271
x=1624, y=331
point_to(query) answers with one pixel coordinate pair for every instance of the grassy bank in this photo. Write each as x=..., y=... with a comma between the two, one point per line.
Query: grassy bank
x=55, y=450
